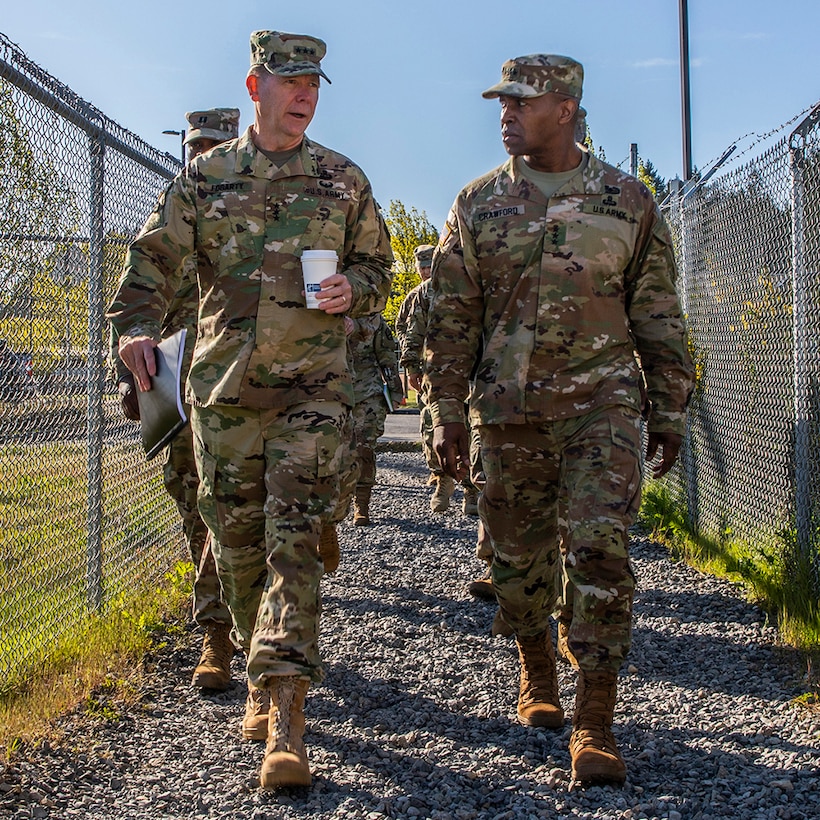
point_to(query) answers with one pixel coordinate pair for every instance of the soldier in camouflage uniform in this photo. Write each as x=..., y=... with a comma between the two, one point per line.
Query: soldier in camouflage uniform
x=563, y=265
x=269, y=385
x=411, y=327
x=206, y=129
x=374, y=367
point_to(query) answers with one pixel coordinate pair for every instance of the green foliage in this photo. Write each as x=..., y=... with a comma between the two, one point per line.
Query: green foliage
x=408, y=229
x=648, y=174
x=776, y=575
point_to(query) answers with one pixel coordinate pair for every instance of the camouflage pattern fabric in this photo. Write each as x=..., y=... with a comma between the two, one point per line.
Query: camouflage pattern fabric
x=179, y=471
x=182, y=483
x=249, y=221
x=411, y=327
x=288, y=55
x=562, y=293
x=373, y=361
x=265, y=514
x=218, y=124
x=594, y=462
x=538, y=74
x=269, y=384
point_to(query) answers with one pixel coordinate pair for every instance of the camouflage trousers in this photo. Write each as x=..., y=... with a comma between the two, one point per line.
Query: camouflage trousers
x=269, y=481
x=588, y=467
x=368, y=424
x=182, y=483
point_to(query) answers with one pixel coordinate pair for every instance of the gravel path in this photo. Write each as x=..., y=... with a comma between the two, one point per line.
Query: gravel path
x=416, y=717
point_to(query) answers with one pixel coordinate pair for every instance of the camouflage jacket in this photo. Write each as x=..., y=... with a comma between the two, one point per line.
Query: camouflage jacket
x=182, y=312
x=372, y=358
x=561, y=294
x=411, y=327
x=248, y=222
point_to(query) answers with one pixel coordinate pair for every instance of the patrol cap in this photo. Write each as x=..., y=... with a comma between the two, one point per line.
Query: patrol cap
x=424, y=255
x=213, y=124
x=288, y=55
x=539, y=74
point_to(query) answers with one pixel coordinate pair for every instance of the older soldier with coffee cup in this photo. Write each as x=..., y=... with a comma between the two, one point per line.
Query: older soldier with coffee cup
x=269, y=385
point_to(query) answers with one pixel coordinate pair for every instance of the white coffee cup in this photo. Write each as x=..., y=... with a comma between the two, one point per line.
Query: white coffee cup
x=317, y=266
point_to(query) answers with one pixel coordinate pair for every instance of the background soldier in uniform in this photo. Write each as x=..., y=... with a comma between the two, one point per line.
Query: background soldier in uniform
x=269, y=385
x=563, y=266
x=373, y=365
x=206, y=129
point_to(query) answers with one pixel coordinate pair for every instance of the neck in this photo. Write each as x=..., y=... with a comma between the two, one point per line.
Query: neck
x=268, y=141
x=552, y=161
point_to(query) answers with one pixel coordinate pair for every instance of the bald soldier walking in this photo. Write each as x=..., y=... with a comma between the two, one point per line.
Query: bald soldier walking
x=562, y=265
x=269, y=385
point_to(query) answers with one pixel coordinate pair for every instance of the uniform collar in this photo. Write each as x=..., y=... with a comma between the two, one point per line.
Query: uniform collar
x=250, y=161
x=510, y=182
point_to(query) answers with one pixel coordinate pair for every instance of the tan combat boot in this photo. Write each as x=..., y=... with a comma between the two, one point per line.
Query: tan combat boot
x=214, y=668
x=329, y=547
x=595, y=756
x=361, y=507
x=285, y=762
x=445, y=487
x=257, y=707
x=564, y=652
x=538, y=701
x=469, y=506
x=500, y=628
x=482, y=588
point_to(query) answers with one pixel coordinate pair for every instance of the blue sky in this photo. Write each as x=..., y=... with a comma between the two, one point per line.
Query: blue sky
x=405, y=101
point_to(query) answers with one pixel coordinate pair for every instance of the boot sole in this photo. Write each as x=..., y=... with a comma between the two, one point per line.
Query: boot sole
x=259, y=733
x=543, y=721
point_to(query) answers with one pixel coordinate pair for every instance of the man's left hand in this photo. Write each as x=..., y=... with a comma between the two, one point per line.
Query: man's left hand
x=669, y=444
x=336, y=294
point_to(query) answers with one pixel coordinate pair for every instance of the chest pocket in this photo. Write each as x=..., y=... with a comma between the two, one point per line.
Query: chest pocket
x=296, y=221
x=231, y=228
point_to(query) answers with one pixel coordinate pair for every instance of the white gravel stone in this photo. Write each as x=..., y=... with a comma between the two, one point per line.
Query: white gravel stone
x=416, y=715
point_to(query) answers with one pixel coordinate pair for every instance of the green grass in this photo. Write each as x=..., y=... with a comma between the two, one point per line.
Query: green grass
x=50, y=634
x=774, y=574
x=97, y=666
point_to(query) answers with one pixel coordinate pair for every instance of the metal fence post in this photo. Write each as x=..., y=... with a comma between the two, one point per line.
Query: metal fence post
x=96, y=373
x=802, y=356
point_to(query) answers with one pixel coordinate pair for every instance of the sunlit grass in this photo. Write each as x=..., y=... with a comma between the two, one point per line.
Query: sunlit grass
x=775, y=575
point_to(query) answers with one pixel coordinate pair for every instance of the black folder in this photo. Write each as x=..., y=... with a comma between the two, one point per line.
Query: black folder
x=162, y=411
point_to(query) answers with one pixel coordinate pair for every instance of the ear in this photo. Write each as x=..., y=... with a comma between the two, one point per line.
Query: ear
x=567, y=110
x=252, y=84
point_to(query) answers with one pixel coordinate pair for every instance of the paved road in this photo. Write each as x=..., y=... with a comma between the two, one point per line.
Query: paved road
x=402, y=426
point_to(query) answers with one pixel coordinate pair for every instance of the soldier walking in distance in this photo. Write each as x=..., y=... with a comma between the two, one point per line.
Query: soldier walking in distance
x=206, y=129
x=269, y=384
x=374, y=366
x=562, y=265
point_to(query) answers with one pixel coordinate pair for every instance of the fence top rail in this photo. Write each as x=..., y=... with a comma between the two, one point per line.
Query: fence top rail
x=21, y=72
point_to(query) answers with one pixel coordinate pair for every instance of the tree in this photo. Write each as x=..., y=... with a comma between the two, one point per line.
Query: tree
x=408, y=229
x=648, y=174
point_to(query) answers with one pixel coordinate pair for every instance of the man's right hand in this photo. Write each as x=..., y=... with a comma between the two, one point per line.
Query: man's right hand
x=127, y=389
x=452, y=446
x=137, y=354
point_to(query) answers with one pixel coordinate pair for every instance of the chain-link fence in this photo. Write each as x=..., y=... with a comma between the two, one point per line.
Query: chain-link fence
x=82, y=516
x=748, y=245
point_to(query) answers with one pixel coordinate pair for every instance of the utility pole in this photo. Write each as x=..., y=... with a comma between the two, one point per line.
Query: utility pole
x=181, y=135
x=686, y=114
x=633, y=158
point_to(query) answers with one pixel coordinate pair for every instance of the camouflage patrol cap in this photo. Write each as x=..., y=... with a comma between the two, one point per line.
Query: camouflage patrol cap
x=539, y=74
x=424, y=255
x=213, y=124
x=287, y=55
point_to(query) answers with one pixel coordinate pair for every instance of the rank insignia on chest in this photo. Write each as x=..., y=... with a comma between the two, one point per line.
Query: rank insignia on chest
x=556, y=234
